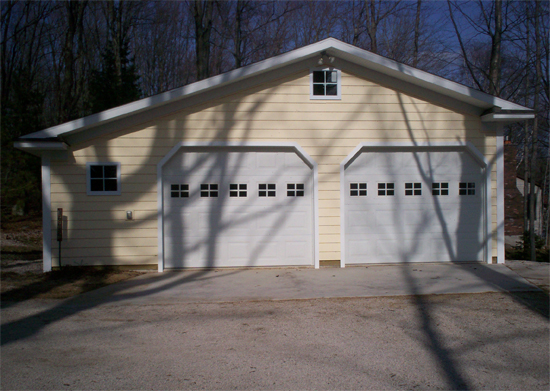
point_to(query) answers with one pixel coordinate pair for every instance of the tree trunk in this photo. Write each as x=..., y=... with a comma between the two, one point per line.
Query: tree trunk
x=202, y=13
x=526, y=160
x=372, y=24
x=416, y=33
x=494, y=67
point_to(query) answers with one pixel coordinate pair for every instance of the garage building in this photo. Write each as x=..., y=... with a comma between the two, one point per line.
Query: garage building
x=325, y=153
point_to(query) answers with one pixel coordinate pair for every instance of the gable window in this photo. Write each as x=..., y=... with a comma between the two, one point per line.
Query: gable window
x=325, y=83
x=103, y=178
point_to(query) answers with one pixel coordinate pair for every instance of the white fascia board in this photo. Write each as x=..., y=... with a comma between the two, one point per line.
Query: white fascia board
x=41, y=145
x=497, y=117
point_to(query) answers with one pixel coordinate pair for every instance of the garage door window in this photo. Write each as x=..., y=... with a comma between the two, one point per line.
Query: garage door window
x=385, y=189
x=237, y=190
x=466, y=188
x=179, y=190
x=440, y=188
x=413, y=189
x=295, y=189
x=267, y=190
x=358, y=189
x=209, y=190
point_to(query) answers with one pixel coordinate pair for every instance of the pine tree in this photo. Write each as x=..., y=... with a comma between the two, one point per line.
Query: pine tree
x=114, y=84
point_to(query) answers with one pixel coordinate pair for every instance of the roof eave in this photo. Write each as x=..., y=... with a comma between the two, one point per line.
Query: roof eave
x=507, y=117
x=37, y=147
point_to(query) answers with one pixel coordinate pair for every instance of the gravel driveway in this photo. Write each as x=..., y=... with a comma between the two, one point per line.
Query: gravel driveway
x=468, y=341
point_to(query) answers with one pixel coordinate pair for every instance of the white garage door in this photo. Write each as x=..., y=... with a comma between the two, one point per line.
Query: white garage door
x=237, y=209
x=421, y=206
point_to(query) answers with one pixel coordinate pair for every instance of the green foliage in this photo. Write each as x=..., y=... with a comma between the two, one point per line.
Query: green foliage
x=522, y=249
x=116, y=83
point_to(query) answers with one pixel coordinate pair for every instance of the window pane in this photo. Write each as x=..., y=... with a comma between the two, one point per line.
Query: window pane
x=96, y=171
x=110, y=185
x=332, y=89
x=318, y=89
x=96, y=184
x=331, y=77
x=110, y=171
x=318, y=76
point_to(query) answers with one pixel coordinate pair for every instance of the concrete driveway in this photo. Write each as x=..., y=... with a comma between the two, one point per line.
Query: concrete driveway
x=240, y=330
x=295, y=283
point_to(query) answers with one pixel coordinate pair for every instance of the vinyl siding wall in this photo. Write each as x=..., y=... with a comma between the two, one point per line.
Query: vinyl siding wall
x=97, y=232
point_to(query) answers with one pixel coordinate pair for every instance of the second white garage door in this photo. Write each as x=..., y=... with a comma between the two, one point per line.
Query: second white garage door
x=236, y=208
x=413, y=206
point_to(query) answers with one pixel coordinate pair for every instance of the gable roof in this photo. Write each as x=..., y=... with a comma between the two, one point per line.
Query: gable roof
x=489, y=108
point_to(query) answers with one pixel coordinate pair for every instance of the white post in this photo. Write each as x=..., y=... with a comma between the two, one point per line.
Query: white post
x=46, y=213
x=500, y=194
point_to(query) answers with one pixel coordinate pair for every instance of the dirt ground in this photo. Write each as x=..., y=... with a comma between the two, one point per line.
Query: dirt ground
x=21, y=273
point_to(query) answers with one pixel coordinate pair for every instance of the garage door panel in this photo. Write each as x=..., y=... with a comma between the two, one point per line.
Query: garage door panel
x=243, y=230
x=414, y=228
x=362, y=249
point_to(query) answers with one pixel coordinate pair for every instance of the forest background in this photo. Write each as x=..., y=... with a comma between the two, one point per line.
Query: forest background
x=62, y=60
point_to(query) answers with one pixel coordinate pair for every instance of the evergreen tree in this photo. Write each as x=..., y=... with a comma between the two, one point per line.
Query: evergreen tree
x=116, y=83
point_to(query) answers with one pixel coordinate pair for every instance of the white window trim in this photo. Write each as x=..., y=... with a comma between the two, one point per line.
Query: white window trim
x=338, y=84
x=89, y=183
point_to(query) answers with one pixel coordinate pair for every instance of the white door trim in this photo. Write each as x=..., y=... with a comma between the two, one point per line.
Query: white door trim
x=436, y=146
x=245, y=145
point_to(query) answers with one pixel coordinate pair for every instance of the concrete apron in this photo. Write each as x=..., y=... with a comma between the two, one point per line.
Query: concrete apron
x=201, y=286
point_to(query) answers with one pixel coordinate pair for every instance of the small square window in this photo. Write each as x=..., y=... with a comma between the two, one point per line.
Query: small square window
x=358, y=189
x=209, y=190
x=266, y=190
x=295, y=189
x=440, y=188
x=467, y=188
x=413, y=189
x=103, y=178
x=238, y=190
x=179, y=190
x=325, y=84
x=386, y=189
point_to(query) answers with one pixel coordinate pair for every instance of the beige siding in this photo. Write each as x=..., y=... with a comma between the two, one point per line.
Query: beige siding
x=277, y=111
